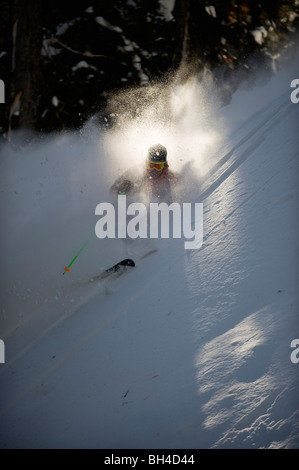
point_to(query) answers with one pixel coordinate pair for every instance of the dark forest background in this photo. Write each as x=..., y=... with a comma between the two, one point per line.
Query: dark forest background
x=61, y=61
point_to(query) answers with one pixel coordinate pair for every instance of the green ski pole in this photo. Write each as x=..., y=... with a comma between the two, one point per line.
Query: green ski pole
x=67, y=268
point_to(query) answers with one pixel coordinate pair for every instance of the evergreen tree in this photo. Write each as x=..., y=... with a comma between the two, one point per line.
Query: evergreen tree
x=61, y=62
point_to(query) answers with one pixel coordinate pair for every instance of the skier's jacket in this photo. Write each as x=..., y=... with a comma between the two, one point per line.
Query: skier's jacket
x=151, y=181
x=159, y=182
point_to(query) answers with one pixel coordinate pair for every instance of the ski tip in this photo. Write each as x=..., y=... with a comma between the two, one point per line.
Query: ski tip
x=127, y=262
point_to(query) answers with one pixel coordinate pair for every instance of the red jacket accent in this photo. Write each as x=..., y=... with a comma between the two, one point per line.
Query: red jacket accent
x=155, y=181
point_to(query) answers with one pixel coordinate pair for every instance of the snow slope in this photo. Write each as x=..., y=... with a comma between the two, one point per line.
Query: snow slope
x=189, y=349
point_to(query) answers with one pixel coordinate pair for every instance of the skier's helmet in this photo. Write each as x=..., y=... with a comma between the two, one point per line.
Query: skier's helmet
x=157, y=153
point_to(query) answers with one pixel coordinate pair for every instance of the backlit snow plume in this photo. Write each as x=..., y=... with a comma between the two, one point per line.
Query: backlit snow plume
x=179, y=116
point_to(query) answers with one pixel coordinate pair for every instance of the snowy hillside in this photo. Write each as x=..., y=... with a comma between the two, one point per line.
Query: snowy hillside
x=191, y=348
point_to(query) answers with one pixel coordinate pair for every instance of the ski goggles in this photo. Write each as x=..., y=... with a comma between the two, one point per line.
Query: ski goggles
x=155, y=165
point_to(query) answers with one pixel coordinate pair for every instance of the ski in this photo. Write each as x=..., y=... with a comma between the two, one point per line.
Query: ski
x=118, y=269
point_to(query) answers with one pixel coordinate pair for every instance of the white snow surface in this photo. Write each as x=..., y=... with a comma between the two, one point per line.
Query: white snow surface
x=191, y=348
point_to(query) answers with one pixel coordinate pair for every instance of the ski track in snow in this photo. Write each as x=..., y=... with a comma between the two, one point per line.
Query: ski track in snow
x=190, y=349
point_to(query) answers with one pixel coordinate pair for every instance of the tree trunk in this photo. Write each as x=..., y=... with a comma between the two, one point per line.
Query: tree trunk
x=25, y=81
x=193, y=27
x=197, y=36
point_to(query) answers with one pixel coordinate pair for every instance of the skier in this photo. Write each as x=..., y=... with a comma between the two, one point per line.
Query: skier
x=156, y=180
